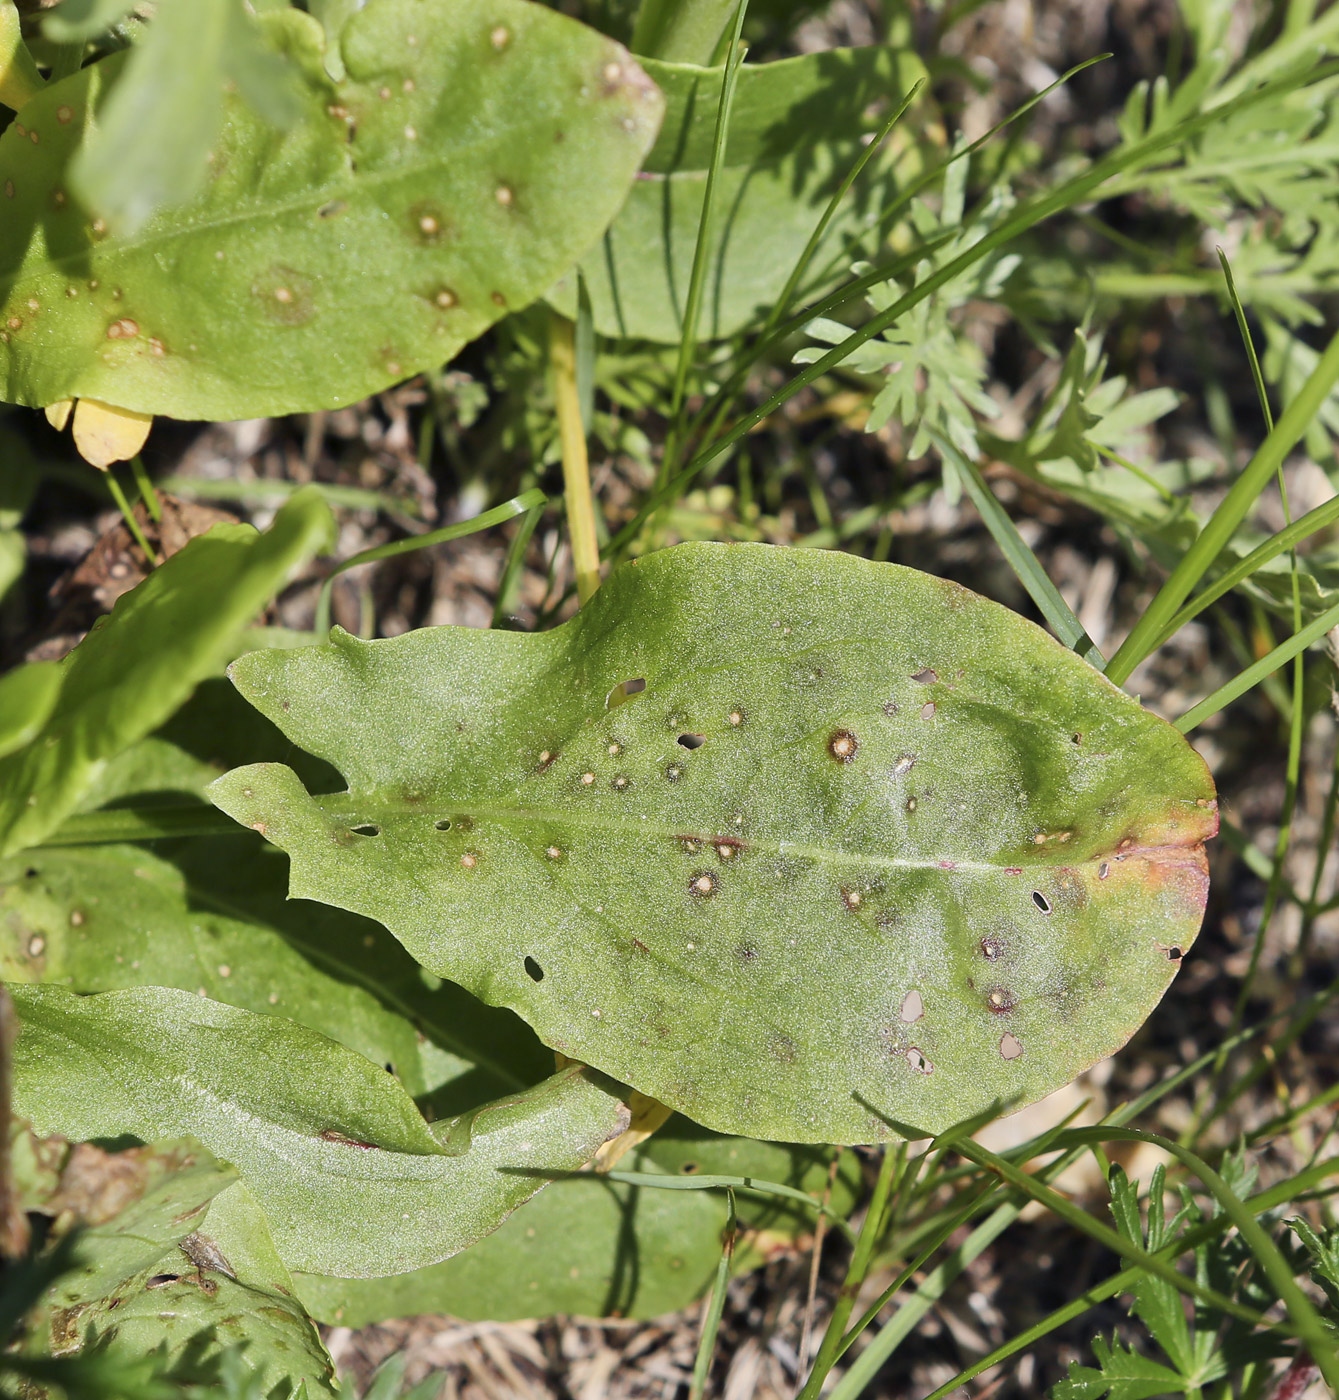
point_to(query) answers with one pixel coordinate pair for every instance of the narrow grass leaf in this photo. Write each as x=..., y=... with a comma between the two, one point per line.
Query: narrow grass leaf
x=1025, y=564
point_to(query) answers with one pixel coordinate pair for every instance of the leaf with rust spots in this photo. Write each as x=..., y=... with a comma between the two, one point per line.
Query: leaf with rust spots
x=792, y=879
x=468, y=158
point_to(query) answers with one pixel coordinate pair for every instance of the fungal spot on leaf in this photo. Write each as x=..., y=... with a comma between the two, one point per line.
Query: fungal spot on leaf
x=1041, y=901
x=624, y=691
x=692, y=741
x=703, y=884
x=887, y=920
x=124, y=329
x=674, y=772
x=736, y=718
x=852, y=899
x=284, y=295
x=621, y=782
x=911, y=804
x=464, y=823
x=500, y=37
x=469, y=860
x=1010, y=1046
x=927, y=676
x=497, y=299
x=533, y=970
x=331, y=209
x=1103, y=871
x=918, y=1061
x=999, y=1000
x=366, y=829
x=504, y=196
x=546, y=759
x=554, y=852
x=928, y=710
x=904, y=765
x=991, y=948
x=842, y=745
x=429, y=223
x=615, y=748
x=444, y=299
x=913, y=1007
x=587, y=779
x=746, y=952
x=64, y=115
x=727, y=850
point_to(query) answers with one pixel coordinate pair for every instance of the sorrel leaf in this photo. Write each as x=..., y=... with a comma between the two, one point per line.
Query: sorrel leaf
x=857, y=844
x=351, y=1178
x=472, y=154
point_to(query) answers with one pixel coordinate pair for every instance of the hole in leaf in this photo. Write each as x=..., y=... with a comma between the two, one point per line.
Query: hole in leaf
x=533, y=970
x=1041, y=901
x=443, y=825
x=690, y=1169
x=366, y=829
x=162, y=1280
x=1010, y=1046
x=926, y=676
x=623, y=691
x=1174, y=954
x=692, y=741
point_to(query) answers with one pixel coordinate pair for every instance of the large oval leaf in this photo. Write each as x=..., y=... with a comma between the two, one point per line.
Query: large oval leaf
x=472, y=154
x=860, y=844
x=796, y=127
x=352, y=1179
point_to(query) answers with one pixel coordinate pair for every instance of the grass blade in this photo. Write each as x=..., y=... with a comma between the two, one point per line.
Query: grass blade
x=1253, y=675
x=711, y=1319
x=1025, y=564
x=518, y=505
x=1222, y=525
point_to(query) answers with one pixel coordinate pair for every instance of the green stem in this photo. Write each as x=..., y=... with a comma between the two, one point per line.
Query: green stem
x=576, y=465
x=711, y=1320
x=146, y=491
x=150, y=555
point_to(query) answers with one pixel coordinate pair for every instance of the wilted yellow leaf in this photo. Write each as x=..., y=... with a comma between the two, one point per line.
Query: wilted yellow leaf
x=104, y=434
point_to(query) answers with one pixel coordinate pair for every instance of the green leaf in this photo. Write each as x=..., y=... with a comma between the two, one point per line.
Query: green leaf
x=175, y=1259
x=795, y=128
x=863, y=835
x=133, y=669
x=151, y=144
x=352, y=1179
x=593, y=1247
x=224, y=1287
x=77, y=20
x=462, y=166
x=1123, y=1375
x=28, y=694
x=212, y=918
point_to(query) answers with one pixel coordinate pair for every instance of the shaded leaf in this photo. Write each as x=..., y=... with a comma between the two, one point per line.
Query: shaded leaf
x=213, y=919
x=1123, y=1375
x=174, y=1259
x=352, y=1179
x=462, y=166
x=132, y=671
x=594, y=1247
x=863, y=835
x=795, y=130
x=28, y=694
